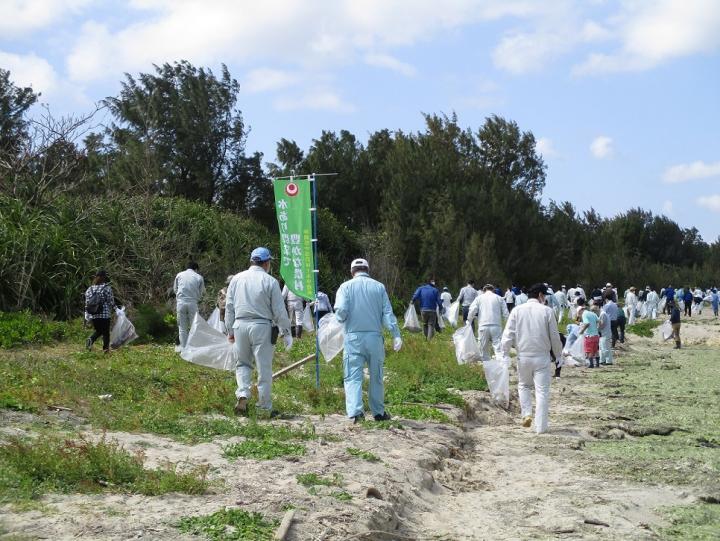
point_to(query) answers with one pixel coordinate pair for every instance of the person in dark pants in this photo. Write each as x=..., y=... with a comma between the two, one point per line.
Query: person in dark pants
x=621, y=321
x=675, y=322
x=99, y=302
x=429, y=298
x=688, y=300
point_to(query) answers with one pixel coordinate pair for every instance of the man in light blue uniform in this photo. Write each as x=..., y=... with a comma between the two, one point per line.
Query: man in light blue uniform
x=254, y=303
x=189, y=288
x=363, y=307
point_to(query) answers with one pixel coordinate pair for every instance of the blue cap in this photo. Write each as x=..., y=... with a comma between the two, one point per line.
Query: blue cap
x=260, y=254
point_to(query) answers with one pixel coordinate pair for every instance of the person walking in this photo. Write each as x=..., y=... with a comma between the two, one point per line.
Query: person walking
x=670, y=299
x=605, y=329
x=189, y=287
x=715, y=301
x=612, y=310
x=490, y=310
x=446, y=298
x=222, y=297
x=675, y=322
x=509, y=299
x=653, y=299
x=532, y=329
x=688, y=300
x=631, y=305
x=430, y=304
x=562, y=301
x=590, y=327
x=294, y=304
x=466, y=297
x=324, y=307
x=99, y=303
x=621, y=321
x=254, y=304
x=363, y=307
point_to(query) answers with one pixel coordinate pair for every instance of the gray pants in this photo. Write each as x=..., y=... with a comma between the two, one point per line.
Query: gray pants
x=429, y=319
x=185, y=314
x=254, y=350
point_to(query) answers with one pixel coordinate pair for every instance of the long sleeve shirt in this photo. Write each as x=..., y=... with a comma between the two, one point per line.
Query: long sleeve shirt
x=652, y=298
x=189, y=287
x=108, y=301
x=291, y=299
x=489, y=309
x=532, y=330
x=429, y=298
x=467, y=295
x=362, y=305
x=254, y=295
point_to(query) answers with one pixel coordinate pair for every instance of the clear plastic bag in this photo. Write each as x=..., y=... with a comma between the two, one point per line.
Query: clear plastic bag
x=412, y=323
x=666, y=330
x=453, y=313
x=331, y=337
x=123, y=332
x=215, y=322
x=466, y=348
x=209, y=347
x=440, y=320
x=577, y=350
x=307, y=320
x=497, y=375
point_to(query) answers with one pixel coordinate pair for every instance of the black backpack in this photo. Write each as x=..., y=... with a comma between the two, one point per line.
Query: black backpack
x=94, y=304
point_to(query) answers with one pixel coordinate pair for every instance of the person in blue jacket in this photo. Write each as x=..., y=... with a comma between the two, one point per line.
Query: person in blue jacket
x=670, y=296
x=688, y=300
x=363, y=307
x=715, y=301
x=430, y=302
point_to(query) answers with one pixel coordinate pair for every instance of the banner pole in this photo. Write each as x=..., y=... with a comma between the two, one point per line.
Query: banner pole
x=316, y=272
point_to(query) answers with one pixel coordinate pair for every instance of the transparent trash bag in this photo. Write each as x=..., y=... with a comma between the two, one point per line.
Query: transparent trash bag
x=466, y=348
x=440, y=320
x=696, y=308
x=209, y=347
x=412, y=323
x=123, y=332
x=453, y=314
x=497, y=375
x=307, y=320
x=330, y=335
x=577, y=350
x=666, y=330
x=643, y=309
x=215, y=322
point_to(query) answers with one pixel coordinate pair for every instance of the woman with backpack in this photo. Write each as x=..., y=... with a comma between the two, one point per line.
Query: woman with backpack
x=99, y=302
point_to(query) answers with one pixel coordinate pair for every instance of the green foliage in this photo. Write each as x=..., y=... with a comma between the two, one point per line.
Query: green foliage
x=14, y=104
x=644, y=327
x=264, y=449
x=365, y=455
x=230, y=525
x=152, y=325
x=341, y=495
x=692, y=522
x=313, y=479
x=32, y=468
x=22, y=328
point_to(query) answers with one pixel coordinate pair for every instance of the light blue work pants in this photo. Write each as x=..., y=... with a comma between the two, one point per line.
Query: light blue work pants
x=360, y=349
x=185, y=314
x=254, y=350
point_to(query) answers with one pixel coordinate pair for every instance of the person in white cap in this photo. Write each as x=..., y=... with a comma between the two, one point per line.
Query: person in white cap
x=254, y=303
x=189, y=288
x=490, y=310
x=363, y=307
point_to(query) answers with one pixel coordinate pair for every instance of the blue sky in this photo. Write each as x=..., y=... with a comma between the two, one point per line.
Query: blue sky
x=623, y=96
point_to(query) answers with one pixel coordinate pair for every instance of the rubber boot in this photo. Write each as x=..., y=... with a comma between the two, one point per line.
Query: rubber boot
x=299, y=330
x=677, y=344
x=293, y=331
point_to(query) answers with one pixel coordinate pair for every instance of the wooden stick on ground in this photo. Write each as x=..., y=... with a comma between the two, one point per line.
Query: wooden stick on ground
x=292, y=366
x=282, y=531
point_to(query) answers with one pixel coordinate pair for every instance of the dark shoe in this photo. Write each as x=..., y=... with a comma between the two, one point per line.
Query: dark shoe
x=268, y=414
x=241, y=406
x=358, y=419
x=88, y=344
x=384, y=417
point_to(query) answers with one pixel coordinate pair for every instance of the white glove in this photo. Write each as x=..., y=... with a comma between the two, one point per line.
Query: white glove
x=288, y=341
x=397, y=343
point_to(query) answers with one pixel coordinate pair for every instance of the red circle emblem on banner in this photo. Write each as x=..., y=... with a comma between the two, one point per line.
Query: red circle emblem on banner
x=292, y=189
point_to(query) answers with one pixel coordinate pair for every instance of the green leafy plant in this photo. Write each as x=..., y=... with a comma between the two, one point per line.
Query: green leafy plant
x=230, y=525
x=365, y=455
x=263, y=449
x=313, y=479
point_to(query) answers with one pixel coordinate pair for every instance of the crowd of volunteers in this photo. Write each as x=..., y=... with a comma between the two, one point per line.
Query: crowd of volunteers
x=253, y=311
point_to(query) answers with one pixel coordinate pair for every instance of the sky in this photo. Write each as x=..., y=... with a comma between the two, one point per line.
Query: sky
x=622, y=96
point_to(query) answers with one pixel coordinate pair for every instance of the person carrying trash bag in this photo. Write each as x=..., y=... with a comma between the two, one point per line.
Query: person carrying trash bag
x=99, y=303
x=532, y=330
x=430, y=302
x=363, y=307
x=254, y=304
x=490, y=310
x=189, y=288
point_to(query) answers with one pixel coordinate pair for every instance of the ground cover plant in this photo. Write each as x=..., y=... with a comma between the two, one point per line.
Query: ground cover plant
x=365, y=455
x=644, y=327
x=230, y=525
x=24, y=328
x=29, y=469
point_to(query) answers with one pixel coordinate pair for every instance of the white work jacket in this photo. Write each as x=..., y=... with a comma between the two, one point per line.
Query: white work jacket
x=532, y=330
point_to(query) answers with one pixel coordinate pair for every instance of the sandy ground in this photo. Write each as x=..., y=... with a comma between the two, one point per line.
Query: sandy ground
x=486, y=478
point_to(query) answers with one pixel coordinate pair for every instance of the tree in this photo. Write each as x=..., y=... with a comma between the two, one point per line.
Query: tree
x=14, y=104
x=187, y=117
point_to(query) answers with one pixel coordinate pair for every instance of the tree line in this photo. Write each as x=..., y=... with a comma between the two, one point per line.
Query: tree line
x=170, y=177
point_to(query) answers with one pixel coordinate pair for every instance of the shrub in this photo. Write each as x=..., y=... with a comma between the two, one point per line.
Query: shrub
x=20, y=328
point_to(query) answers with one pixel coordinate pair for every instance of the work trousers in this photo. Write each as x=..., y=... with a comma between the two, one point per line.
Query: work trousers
x=606, y=354
x=676, y=332
x=465, y=313
x=102, y=328
x=361, y=349
x=254, y=350
x=688, y=308
x=185, y=314
x=535, y=374
x=429, y=319
x=489, y=337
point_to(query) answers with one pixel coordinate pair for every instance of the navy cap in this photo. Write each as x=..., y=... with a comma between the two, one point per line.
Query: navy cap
x=260, y=254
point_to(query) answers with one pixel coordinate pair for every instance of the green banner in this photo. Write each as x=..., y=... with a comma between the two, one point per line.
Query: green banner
x=292, y=206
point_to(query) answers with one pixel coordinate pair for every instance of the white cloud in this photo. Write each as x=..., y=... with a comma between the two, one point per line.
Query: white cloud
x=266, y=79
x=314, y=35
x=391, y=63
x=654, y=32
x=691, y=171
x=315, y=100
x=528, y=52
x=23, y=16
x=602, y=147
x=545, y=147
x=30, y=70
x=667, y=207
x=710, y=202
